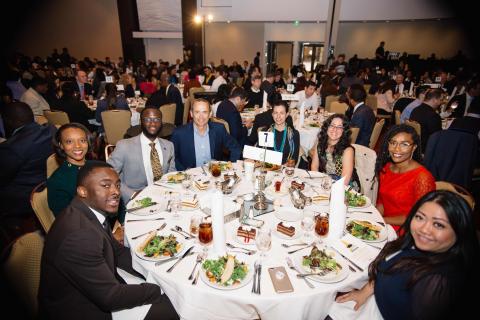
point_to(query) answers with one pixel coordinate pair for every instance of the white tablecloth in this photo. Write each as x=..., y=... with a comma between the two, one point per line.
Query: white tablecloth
x=204, y=302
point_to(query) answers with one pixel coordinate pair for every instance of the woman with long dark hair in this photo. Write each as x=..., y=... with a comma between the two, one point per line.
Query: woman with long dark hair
x=402, y=179
x=333, y=154
x=112, y=101
x=431, y=270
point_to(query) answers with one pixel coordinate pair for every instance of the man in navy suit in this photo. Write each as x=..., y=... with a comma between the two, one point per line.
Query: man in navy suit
x=168, y=93
x=362, y=116
x=200, y=141
x=83, y=88
x=23, y=163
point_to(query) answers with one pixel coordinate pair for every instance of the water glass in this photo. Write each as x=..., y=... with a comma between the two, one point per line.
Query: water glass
x=263, y=240
x=187, y=182
x=195, y=221
x=307, y=225
x=175, y=205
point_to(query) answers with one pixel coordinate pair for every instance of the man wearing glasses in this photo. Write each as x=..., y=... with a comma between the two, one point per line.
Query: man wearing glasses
x=143, y=159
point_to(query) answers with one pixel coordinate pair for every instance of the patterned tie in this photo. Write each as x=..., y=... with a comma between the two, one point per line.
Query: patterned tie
x=155, y=161
x=82, y=92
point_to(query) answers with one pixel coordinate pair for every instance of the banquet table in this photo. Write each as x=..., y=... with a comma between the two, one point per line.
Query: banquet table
x=203, y=301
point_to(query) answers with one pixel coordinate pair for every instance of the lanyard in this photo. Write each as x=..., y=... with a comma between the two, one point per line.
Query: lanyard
x=283, y=139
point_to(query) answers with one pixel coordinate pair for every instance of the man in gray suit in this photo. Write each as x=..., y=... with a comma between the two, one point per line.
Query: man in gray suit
x=136, y=159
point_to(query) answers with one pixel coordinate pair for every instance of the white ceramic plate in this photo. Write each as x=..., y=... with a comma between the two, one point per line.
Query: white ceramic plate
x=290, y=214
x=367, y=204
x=240, y=240
x=381, y=236
x=165, y=177
x=160, y=258
x=244, y=282
x=330, y=277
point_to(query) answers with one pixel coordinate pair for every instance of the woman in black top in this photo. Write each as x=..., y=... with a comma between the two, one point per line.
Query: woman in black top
x=431, y=271
x=286, y=138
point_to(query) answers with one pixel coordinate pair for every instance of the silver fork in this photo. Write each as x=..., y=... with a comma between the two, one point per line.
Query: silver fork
x=293, y=251
x=186, y=237
x=184, y=232
x=248, y=253
x=254, y=284
x=235, y=247
x=292, y=245
x=199, y=259
x=292, y=266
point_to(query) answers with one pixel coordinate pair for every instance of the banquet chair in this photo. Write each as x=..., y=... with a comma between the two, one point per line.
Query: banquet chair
x=371, y=101
x=329, y=100
x=52, y=164
x=377, y=129
x=338, y=107
x=56, y=117
x=455, y=188
x=225, y=123
x=168, y=113
x=365, y=165
x=22, y=269
x=354, y=135
x=41, y=120
x=192, y=91
x=116, y=123
x=39, y=203
x=415, y=125
x=397, y=116
x=186, y=110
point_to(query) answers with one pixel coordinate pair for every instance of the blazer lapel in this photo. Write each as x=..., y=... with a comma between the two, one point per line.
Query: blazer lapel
x=211, y=136
x=190, y=145
x=137, y=150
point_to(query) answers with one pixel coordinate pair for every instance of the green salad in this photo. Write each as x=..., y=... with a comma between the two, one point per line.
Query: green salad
x=363, y=230
x=314, y=125
x=225, y=271
x=319, y=261
x=162, y=246
x=355, y=199
x=145, y=202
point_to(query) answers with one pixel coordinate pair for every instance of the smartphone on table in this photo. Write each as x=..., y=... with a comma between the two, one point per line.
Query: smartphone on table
x=281, y=281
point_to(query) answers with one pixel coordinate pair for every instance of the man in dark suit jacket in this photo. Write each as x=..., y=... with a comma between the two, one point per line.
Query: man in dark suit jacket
x=23, y=159
x=426, y=115
x=362, y=116
x=464, y=100
x=82, y=86
x=78, y=273
x=229, y=110
x=193, y=148
x=167, y=93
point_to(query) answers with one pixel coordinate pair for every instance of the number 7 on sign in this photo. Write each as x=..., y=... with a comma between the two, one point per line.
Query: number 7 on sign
x=265, y=139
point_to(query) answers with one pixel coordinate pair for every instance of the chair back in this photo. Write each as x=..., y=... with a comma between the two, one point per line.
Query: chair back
x=415, y=125
x=41, y=120
x=329, y=100
x=354, y=135
x=367, y=87
x=455, y=188
x=39, y=203
x=371, y=101
x=377, y=129
x=365, y=165
x=22, y=269
x=186, y=109
x=168, y=112
x=240, y=81
x=52, y=164
x=115, y=123
x=338, y=107
x=193, y=90
x=56, y=117
x=397, y=117
x=225, y=123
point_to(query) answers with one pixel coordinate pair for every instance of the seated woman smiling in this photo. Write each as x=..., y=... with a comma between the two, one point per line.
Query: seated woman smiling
x=333, y=154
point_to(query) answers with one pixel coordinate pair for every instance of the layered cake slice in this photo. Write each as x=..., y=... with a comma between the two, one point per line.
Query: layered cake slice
x=286, y=230
x=246, y=232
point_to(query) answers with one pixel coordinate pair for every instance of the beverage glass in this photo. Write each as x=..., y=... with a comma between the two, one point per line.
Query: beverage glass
x=307, y=225
x=195, y=224
x=290, y=167
x=205, y=234
x=215, y=169
x=278, y=186
x=249, y=168
x=187, y=182
x=175, y=205
x=263, y=240
x=90, y=100
x=326, y=183
x=321, y=224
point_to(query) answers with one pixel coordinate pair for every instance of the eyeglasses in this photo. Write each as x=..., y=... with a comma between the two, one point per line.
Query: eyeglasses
x=152, y=120
x=403, y=145
x=335, y=127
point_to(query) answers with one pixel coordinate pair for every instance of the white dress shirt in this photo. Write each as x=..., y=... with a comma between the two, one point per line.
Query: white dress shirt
x=101, y=218
x=35, y=101
x=217, y=83
x=146, y=149
x=310, y=102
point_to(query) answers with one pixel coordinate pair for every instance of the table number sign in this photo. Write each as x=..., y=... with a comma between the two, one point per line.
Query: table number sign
x=259, y=154
x=265, y=139
x=109, y=79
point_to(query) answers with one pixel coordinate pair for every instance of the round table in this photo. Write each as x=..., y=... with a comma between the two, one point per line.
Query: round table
x=201, y=301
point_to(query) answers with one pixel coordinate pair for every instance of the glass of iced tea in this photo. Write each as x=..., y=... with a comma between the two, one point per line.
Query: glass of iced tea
x=278, y=185
x=205, y=234
x=215, y=169
x=321, y=224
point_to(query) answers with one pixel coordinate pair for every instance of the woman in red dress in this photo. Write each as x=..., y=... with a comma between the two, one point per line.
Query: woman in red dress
x=402, y=179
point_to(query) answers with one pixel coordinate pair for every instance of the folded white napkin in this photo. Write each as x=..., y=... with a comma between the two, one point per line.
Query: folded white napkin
x=218, y=223
x=355, y=249
x=338, y=210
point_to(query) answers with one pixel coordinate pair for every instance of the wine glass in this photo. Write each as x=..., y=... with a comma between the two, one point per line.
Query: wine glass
x=205, y=234
x=263, y=240
x=307, y=225
x=290, y=168
x=175, y=205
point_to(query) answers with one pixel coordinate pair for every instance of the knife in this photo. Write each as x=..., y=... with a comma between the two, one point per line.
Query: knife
x=180, y=259
x=203, y=169
x=135, y=220
x=169, y=259
x=353, y=263
x=138, y=208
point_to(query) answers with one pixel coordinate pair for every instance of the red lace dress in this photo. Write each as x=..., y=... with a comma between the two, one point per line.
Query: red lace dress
x=398, y=192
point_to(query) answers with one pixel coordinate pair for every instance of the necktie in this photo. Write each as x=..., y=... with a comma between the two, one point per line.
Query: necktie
x=106, y=226
x=155, y=161
x=82, y=92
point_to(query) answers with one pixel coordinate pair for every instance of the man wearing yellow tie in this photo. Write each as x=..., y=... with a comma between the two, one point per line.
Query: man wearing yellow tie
x=143, y=159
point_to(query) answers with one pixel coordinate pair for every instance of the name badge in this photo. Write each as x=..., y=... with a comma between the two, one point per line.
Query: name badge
x=109, y=79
